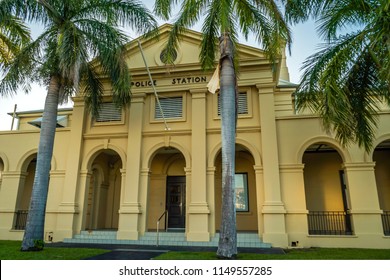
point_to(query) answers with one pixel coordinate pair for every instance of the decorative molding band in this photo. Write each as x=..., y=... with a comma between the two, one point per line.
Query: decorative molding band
x=198, y=208
x=359, y=166
x=365, y=212
x=105, y=135
x=57, y=173
x=130, y=208
x=291, y=168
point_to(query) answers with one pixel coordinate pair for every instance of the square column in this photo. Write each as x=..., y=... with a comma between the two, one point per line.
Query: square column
x=211, y=198
x=131, y=210
x=294, y=198
x=144, y=191
x=68, y=219
x=82, y=197
x=198, y=210
x=273, y=207
x=364, y=201
x=260, y=198
x=57, y=178
x=11, y=180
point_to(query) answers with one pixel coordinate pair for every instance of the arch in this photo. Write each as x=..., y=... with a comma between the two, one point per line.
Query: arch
x=167, y=186
x=94, y=152
x=248, y=193
x=28, y=156
x=380, y=155
x=26, y=183
x=4, y=158
x=379, y=140
x=170, y=161
x=252, y=150
x=345, y=156
x=102, y=189
x=154, y=150
x=326, y=187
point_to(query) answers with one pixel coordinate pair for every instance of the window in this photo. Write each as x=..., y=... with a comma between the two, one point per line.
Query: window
x=108, y=112
x=242, y=104
x=172, y=108
x=241, y=191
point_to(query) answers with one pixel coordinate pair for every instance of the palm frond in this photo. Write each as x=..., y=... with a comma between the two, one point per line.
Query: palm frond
x=163, y=8
x=210, y=35
x=189, y=14
x=301, y=10
x=91, y=88
x=336, y=17
x=341, y=83
x=19, y=74
x=270, y=28
x=119, y=13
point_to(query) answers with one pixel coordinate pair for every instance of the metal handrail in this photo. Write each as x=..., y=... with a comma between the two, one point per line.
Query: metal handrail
x=165, y=214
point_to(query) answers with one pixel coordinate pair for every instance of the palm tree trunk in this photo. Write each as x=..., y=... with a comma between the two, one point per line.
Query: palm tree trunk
x=34, y=232
x=227, y=246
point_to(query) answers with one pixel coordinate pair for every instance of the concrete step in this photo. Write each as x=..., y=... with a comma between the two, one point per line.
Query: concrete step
x=244, y=240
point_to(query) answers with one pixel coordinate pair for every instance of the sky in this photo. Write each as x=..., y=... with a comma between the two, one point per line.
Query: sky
x=305, y=43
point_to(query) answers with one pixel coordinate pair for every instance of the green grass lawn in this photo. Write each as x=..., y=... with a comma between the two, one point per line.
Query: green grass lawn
x=296, y=254
x=10, y=250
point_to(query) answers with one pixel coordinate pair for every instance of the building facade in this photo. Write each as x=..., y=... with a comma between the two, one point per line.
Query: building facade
x=295, y=184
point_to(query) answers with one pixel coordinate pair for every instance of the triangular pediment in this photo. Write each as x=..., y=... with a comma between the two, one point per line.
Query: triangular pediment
x=188, y=51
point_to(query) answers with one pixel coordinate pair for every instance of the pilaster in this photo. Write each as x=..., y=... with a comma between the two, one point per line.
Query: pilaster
x=67, y=208
x=273, y=207
x=363, y=199
x=10, y=190
x=198, y=209
x=131, y=210
x=294, y=198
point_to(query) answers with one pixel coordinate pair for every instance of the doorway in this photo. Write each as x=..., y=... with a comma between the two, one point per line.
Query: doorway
x=176, y=201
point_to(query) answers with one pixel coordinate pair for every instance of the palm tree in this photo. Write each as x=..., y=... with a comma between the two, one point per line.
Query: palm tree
x=223, y=19
x=349, y=77
x=74, y=31
x=13, y=35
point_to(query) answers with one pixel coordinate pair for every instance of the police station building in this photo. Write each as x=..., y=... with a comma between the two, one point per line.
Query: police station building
x=141, y=175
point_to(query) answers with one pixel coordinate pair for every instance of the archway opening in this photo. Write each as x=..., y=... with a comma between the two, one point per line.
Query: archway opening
x=245, y=191
x=381, y=158
x=167, y=191
x=326, y=191
x=103, y=193
x=24, y=192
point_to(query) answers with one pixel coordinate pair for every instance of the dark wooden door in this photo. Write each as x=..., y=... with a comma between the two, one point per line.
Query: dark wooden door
x=176, y=201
